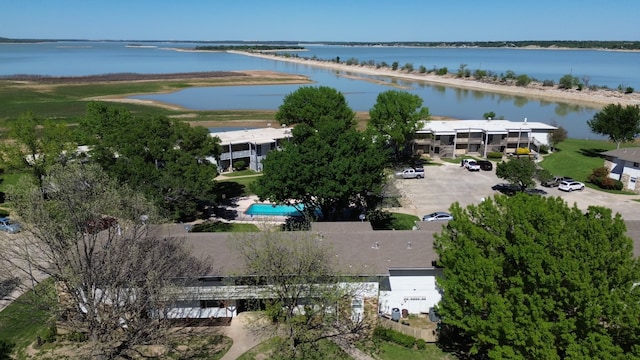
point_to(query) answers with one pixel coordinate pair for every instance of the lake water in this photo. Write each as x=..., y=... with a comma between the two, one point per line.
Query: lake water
x=88, y=58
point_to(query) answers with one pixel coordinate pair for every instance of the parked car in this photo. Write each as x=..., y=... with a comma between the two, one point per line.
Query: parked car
x=410, y=173
x=8, y=225
x=570, y=185
x=506, y=188
x=535, y=192
x=419, y=167
x=470, y=164
x=438, y=216
x=555, y=181
x=485, y=165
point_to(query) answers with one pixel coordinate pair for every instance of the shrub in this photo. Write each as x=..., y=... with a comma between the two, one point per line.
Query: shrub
x=422, y=69
x=600, y=177
x=523, y=80
x=351, y=61
x=494, y=155
x=522, y=151
x=628, y=90
x=4, y=212
x=408, y=67
x=548, y=83
x=394, y=336
x=568, y=81
x=544, y=149
x=76, y=336
x=479, y=74
x=394, y=66
x=240, y=164
x=442, y=71
x=421, y=344
x=510, y=74
x=50, y=334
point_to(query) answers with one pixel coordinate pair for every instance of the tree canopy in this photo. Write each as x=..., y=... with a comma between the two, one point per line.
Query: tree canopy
x=332, y=167
x=309, y=105
x=519, y=171
x=529, y=277
x=166, y=159
x=311, y=300
x=396, y=117
x=38, y=144
x=620, y=123
x=557, y=136
x=92, y=236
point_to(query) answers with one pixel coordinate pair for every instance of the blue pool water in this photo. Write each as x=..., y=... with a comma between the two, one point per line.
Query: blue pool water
x=272, y=210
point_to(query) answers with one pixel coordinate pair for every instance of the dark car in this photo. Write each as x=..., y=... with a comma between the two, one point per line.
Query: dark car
x=485, y=165
x=535, y=192
x=505, y=188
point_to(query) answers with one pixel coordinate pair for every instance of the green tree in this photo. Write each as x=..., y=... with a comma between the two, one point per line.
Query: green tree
x=311, y=104
x=333, y=168
x=519, y=171
x=620, y=123
x=166, y=159
x=394, y=65
x=557, y=136
x=527, y=277
x=396, y=116
x=489, y=115
x=94, y=238
x=310, y=299
x=37, y=144
x=568, y=81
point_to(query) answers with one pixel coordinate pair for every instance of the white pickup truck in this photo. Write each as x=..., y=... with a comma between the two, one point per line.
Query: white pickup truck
x=470, y=165
x=410, y=173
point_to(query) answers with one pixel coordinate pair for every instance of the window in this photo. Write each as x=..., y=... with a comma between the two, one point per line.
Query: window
x=635, y=164
x=633, y=180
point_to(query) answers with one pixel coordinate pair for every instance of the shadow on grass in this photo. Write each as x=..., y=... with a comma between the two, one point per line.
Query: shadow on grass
x=228, y=190
x=592, y=152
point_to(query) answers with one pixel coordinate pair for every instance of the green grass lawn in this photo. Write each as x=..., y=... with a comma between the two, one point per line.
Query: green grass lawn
x=397, y=221
x=23, y=320
x=328, y=349
x=219, y=226
x=390, y=351
x=577, y=158
x=241, y=173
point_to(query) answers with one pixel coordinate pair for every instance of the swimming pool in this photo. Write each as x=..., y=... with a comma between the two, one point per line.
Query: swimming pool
x=273, y=210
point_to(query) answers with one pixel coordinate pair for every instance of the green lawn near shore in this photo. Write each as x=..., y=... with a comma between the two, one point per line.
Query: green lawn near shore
x=577, y=158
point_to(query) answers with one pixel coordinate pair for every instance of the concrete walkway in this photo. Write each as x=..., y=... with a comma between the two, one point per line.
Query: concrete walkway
x=244, y=338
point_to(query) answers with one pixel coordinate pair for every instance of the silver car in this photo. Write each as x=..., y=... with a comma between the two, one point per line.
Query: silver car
x=438, y=216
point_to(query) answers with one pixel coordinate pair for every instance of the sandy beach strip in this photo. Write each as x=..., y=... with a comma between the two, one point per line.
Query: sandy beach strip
x=590, y=98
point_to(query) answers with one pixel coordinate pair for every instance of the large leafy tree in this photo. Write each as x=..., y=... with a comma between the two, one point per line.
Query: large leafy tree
x=36, y=145
x=620, y=123
x=396, y=116
x=93, y=236
x=309, y=105
x=166, y=159
x=331, y=167
x=519, y=171
x=529, y=277
x=310, y=299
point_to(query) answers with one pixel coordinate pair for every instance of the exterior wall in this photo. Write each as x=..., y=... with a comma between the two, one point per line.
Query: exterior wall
x=626, y=172
x=416, y=292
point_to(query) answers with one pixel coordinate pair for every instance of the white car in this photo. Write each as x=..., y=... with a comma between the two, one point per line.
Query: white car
x=470, y=165
x=570, y=185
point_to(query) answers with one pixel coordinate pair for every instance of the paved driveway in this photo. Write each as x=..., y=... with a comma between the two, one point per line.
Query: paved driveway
x=446, y=184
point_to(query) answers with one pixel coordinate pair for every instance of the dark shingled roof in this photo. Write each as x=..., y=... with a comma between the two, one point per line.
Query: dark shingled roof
x=627, y=154
x=358, y=249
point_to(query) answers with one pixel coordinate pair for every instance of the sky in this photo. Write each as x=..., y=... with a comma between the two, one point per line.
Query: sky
x=321, y=20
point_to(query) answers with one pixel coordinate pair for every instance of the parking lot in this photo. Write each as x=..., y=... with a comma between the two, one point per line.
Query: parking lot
x=443, y=185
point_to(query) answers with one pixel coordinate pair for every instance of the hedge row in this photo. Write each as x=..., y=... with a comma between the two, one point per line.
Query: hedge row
x=398, y=338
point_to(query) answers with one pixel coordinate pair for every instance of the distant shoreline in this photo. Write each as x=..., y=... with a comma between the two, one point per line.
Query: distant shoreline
x=591, y=98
